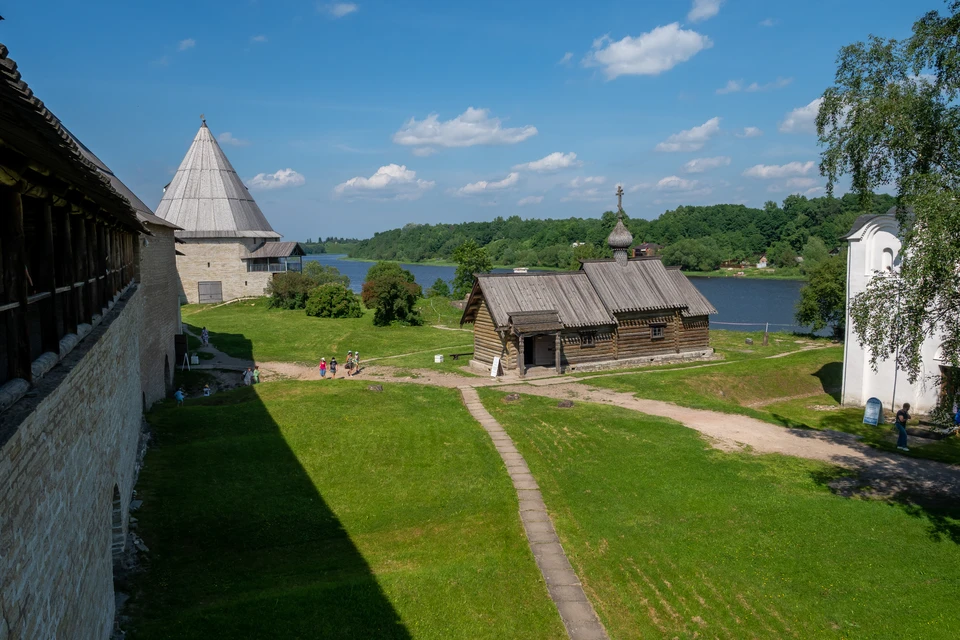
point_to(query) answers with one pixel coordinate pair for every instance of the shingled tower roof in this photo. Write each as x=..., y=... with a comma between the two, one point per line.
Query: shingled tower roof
x=207, y=199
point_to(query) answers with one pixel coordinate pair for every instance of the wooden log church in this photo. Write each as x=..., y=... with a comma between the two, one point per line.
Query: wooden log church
x=611, y=313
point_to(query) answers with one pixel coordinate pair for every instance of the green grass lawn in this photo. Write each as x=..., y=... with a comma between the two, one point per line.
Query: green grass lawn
x=673, y=539
x=308, y=510
x=731, y=388
x=249, y=329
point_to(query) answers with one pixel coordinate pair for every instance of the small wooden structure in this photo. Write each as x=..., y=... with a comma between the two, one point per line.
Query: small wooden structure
x=615, y=312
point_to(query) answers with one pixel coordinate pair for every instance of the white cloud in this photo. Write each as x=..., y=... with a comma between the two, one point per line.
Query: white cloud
x=423, y=152
x=800, y=183
x=553, y=162
x=281, y=179
x=768, y=22
x=703, y=9
x=675, y=183
x=529, y=200
x=189, y=43
x=483, y=186
x=227, y=138
x=258, y=39
x=699, y=165
x=339, y=9
x=732, y=86
x=649, y=54
x=587, y=195
x=750, y=132
x=567, y=57
x=581, y=181
x=390, y=181
x=802, y=119
x=814, y=191
x=638, y=187
x=472, y=127
x=769, y=171
x=691, y=139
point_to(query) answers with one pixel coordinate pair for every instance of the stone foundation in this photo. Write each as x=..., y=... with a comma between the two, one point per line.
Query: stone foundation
x=607, y=365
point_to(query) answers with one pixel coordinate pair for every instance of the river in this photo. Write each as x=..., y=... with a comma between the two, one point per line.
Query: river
x=738, y=300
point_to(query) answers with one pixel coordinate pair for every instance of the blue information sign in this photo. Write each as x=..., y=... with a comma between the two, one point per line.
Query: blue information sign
x=873, y=413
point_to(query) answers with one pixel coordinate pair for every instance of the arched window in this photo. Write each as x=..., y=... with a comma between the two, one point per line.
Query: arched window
x=886, y=263
x=117, y=539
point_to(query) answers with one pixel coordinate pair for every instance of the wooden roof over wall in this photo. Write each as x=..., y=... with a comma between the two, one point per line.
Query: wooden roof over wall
x=643, y=284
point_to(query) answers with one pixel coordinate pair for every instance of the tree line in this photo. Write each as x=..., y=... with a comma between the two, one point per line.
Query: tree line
x=694, y=237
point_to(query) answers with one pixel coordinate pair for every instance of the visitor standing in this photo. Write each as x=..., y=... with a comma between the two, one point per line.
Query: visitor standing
x=248, y=377
x=206, y=391
x=256, y=374
x=349, y=365
x=323, y=367
x=179, y=395
x=205, y=337
x=333, y=367
x=356, y=360
x=902, y=416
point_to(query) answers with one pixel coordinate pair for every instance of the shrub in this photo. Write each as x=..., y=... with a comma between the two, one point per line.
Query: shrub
x=289, y=290
x=322, y=274
x=393, y=299
x=383, y=269
x=333, y=300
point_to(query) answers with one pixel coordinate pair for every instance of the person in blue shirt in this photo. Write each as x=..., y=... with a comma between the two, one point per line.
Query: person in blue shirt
x=902, y=417
x=179, y=395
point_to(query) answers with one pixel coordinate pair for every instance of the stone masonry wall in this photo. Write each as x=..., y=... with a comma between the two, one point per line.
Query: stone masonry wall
x=63, y=453
x=225, y=264
x=161, y=318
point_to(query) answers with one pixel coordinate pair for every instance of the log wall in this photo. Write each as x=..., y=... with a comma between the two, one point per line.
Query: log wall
x=487, y=343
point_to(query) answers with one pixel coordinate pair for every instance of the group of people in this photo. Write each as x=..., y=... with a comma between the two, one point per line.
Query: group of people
x=351, y=366
x=251, y=376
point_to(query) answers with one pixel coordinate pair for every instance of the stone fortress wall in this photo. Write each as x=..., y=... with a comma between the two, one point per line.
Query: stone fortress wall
x=68, y=463
x=161, y=319
x=220, y=260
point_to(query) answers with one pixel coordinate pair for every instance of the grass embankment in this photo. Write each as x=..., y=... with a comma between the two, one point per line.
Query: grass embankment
x=291, y=510
x=768, y=389
x=674, y=539
x=249, y=329
x=751, y=272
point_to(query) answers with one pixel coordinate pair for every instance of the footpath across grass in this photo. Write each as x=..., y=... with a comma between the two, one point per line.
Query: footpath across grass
x=249, y=329
x=308, y=510
x=672, y=538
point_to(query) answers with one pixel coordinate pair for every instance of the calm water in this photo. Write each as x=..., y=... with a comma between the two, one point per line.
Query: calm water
x=739, y=300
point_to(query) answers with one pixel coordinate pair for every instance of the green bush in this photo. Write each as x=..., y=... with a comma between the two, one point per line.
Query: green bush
x=289, y=290
x=333, y=300
x=393, y=299
x=439, y=289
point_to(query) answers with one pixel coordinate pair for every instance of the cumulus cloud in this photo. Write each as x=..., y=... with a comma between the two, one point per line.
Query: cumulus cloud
x=733, y=86
x=773, y=171
x=483, y=186
x=472, y=127
x=801, y=183
x=423, y=152
x=586, y=195
x=750, y=132
x=567, y=57
x=703, y=10
x=648, y=54
x=582, y=181
x=768, y=22
x=699, y=165
x=802, y=119
x=691, y=139
x=258, y=39
x=282, y=179
x=339, y=9
x=523, y=202
x=227, y=138
x=189, y=43
x=675, y=183
x=553, y=162
x=390, y=181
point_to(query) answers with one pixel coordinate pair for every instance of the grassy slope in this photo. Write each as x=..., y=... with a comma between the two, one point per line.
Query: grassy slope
x=250, y=330
x=674, y=539
x=302, y=517
x=730, y=387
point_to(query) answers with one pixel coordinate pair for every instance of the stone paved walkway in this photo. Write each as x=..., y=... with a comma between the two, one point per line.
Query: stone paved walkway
x=563, y=585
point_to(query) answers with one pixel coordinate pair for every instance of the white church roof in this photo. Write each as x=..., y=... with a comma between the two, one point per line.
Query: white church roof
x=207, y=199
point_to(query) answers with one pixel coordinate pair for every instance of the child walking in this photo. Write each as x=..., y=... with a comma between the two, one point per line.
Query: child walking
x=333, y=367
x=322, y=367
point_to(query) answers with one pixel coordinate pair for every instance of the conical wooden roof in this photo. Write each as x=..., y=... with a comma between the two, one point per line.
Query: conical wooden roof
x=207, y=199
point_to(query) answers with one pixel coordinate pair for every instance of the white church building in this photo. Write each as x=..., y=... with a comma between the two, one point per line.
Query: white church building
x=874, y=248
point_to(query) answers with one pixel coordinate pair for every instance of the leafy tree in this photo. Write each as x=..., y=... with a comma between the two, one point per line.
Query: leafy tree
x=814, y=252
x=439, y=289
x=383, y=269
x=289, y=290
x=782, y=255
x=333, y=300
x=823, y=299
x=584, y=251
x=393, y=299
x=322, y=274
x=694, y=255
x=470, y=259
x=888, y=121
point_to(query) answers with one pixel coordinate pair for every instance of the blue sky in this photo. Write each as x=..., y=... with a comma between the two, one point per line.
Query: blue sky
x=350, y=118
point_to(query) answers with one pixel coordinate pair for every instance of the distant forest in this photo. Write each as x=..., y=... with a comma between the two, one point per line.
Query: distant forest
x=697, y=238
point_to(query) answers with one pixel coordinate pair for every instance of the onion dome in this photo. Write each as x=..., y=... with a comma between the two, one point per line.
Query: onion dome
x=620, y=239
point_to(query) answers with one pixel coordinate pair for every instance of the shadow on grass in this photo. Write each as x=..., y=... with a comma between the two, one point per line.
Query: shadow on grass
x=241, y=542
x=831, y=378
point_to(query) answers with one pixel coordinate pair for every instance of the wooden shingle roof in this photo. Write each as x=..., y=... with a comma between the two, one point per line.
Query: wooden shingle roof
x=643, y=284
x=277, y=250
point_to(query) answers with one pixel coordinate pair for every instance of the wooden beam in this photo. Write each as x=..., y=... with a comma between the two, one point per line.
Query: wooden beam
x=556, y=349
x=68, y=270
x=45, y=280
x=15, y=284
x=521, y=363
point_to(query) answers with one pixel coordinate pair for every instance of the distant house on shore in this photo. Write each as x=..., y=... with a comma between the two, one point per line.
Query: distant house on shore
x=610, y=313
x=229, y=249
x=874, y=248
x=647, y=249
x=762, y=262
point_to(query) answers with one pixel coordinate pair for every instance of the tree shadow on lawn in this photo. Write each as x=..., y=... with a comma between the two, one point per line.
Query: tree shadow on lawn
x=242, y=544
x=831, y=378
